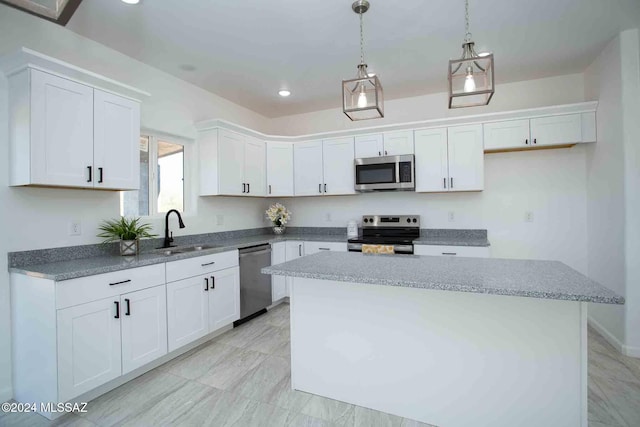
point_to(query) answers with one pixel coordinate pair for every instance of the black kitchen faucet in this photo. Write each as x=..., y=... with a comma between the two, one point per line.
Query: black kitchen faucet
x=168, y=237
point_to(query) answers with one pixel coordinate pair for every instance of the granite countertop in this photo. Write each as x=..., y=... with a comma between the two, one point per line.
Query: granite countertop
x=452, y=237
x=523, y=278
x=75, y=268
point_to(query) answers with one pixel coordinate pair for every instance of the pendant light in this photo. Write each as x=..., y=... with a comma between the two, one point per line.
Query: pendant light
x=471, y=76
x=362, y=97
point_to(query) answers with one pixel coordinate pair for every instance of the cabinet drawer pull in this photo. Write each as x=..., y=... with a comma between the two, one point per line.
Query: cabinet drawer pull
x=117, y=303
x=324, y=249
x=208, y=263
x=90, y=177
x=449, y=253
x=120, y=283
x=128, y=312
x=213, y=282
x=206, y=280
x=100, y=175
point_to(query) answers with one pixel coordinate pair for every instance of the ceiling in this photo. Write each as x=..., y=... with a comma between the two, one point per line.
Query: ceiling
x=247, y=50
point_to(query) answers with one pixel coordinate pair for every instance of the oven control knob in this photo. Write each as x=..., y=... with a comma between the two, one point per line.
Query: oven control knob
x=415, y=220
x=408, y=219
x=366, y=220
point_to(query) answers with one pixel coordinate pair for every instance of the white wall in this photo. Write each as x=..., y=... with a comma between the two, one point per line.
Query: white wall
x=512, y=96
x=549, y=183
x=613, y=179
x=34, y=218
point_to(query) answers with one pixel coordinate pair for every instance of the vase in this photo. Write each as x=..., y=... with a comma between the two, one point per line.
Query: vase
x=278, y=230
x=128, y=247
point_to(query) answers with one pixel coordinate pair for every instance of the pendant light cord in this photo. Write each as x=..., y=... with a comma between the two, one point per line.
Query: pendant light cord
x=467, y=36
x=361, y=39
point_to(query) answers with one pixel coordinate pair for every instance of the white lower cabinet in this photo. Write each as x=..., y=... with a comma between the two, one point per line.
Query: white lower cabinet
x=278, y=283
x=294, y=250
x=311, y=248
x=143, y=317
x=462, y=251
x=187, y=311
x=89, y=347
x=224, y=298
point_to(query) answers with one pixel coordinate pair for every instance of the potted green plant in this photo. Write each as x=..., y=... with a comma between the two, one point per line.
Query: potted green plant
x=126, y=230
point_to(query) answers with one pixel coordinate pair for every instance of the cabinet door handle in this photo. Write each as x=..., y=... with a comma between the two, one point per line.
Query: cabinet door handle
x=379, y=153
x=319, y=188
x=128, y=312
x=244, y=188
x=385, y=153
x=449, y=253
x=451, y=182
x=119, y=283
x=300, y=250
x=324, y=249
x=90, y=177
x=213, y=282
x=208, y=263
x=269, y=188
x=444, y=182
x=325, y=188
x=206, y=280
x=100, y=175
x=526, y=141
x=117, y=303
x=248, y=188
x=535, y=140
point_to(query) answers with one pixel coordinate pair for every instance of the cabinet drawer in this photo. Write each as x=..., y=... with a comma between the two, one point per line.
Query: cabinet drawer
x=178, y=270
x=315, y=247
x=462, y=251
x=92, y=288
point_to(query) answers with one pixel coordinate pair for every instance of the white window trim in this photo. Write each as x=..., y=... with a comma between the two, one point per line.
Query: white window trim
x=188, y=159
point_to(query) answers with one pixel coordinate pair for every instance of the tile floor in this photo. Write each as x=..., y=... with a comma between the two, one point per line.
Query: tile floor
x=242, y=378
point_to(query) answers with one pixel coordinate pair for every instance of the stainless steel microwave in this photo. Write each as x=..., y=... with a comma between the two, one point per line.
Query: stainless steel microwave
x=385, y=173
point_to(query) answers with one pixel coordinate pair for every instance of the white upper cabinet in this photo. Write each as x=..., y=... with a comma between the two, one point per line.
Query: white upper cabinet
x=279, y=169
x=449, y=159
x=116, y=138
x=231, y=164
x=369, y=146
x=466, y=158
x=559, y=130
x=67, y=134
x=432, y=164
x=398, y=143
x=506, y=135
x=387, y=144
x=556, y=130
x=61, y=132
x=308, y=175
x=255, y=172
x=338, y=166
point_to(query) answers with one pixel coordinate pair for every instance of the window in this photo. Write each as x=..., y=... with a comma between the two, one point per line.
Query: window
x=162, y=184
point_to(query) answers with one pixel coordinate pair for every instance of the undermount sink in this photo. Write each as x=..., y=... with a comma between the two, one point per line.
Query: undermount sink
x=184, y=249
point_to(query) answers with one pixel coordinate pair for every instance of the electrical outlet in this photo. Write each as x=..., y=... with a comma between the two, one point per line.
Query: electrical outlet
x=528, y=216
x=451, y=216
x=75, y=228
x=328, y=217
x=219, y=219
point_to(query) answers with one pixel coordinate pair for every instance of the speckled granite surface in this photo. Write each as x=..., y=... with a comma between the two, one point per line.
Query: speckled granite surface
x=452, y=237
x=70, y=269
x=523, y=278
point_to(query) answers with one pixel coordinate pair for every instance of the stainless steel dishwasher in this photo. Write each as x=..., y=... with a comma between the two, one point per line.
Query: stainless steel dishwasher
x=255, y=287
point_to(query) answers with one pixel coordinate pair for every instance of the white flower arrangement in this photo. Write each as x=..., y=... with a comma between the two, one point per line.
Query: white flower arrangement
x=278, y=214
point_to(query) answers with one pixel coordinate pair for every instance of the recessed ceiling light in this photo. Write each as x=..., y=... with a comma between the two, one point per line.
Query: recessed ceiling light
x=131, y=1
x=284, y=93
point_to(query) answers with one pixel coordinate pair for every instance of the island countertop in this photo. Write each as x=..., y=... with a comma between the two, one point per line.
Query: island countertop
x=513, y=277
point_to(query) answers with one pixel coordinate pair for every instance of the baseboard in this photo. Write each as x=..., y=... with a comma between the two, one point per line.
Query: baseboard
x=627, y=350
x=6, y=394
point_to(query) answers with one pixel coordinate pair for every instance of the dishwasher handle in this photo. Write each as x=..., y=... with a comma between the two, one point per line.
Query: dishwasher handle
x=266, y=251
x=255, y=250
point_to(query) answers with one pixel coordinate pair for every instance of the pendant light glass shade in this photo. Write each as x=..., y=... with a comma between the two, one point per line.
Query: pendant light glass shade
x=471, y=81
x=362, y=97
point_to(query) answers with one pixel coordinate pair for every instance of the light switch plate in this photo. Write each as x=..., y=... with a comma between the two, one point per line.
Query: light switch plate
x=75, y=227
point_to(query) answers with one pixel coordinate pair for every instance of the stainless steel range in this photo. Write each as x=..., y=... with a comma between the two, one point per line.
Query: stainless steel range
x=398, y=231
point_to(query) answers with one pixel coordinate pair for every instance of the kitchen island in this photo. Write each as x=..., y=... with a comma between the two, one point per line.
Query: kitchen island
x=446, y=341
